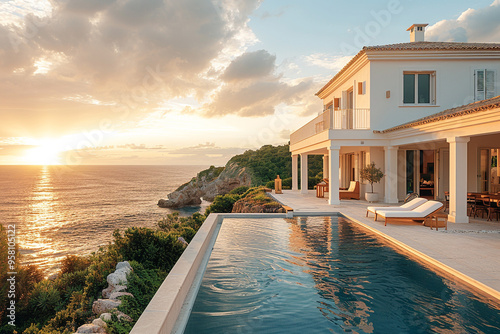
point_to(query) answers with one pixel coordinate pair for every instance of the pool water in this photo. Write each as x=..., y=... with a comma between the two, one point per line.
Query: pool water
x=326, y=275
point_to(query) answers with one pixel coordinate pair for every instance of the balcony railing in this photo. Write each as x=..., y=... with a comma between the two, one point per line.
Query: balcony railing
x=351, y=119
x=358, y=119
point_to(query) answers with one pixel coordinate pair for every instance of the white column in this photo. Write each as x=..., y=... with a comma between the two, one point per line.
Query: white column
x=303, y=173
x=341, y=170
x=295, y=173
x=325, y=166
x=391, y=174
x=458, y=179
x=333, y=166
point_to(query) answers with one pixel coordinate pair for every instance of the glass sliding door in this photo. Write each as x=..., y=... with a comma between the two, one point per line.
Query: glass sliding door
x=426, y=185
x=489, y=177
x=410, y=171
x=495, y=171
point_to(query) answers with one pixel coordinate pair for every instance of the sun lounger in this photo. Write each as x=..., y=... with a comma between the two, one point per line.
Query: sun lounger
x=405, y=207
x=418, y=214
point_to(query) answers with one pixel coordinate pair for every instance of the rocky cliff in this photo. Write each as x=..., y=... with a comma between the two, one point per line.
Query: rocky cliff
x=208, y=184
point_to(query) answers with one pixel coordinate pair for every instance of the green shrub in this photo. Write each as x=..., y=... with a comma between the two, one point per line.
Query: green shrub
x=222, y=204
x=154, y=249
x=44, y=300
x=72, y=263
x=185, y=227
x=239, y=190
x=287, y=183
x=312, y=181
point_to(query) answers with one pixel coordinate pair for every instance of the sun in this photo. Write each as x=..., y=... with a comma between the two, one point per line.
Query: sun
x=47, y=153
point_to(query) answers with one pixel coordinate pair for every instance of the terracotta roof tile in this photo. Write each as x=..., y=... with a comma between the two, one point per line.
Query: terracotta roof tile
x=434, y=46
x=467, y=109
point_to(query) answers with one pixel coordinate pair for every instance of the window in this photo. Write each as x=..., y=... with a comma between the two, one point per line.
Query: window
x=484, y=84
x=418, y=87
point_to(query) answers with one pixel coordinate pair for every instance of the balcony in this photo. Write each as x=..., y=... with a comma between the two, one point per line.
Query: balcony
x=340, y=119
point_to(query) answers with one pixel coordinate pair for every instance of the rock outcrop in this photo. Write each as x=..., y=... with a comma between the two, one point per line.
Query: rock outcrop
x=207, y=184
x=104, y=308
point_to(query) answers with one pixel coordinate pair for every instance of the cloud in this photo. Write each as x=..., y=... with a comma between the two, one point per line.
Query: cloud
x=130, y=54
x=253, y=88
x=473, y=25
x=210, y=150
x=14, y=149
x=334, y=63
x=250, y=65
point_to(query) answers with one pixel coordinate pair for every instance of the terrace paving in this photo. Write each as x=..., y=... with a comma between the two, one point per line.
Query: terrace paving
x=472, y=249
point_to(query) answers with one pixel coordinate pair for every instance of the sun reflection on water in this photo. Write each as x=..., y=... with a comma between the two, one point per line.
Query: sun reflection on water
x=41, y=219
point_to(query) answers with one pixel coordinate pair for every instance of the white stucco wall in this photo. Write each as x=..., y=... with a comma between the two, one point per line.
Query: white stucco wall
x=454, y=87
x=360, y=101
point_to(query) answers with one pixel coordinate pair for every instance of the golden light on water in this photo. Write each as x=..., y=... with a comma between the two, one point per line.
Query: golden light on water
x=48, y=152
x=41, y=218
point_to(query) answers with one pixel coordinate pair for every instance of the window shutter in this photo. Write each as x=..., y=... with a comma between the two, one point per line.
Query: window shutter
x=343, y=101
x=490, y=84
x=336, y=103
x=478, y=85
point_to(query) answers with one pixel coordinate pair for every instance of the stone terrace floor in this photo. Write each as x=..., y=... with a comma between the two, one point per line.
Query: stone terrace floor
x=472, y=249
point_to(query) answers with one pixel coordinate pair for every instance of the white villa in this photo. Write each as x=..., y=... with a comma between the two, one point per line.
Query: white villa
x=426, y=113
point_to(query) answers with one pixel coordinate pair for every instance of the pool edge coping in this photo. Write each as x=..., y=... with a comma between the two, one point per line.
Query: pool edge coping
x=169, y=309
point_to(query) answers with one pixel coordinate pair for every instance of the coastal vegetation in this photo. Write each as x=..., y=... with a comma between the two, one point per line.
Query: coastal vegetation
x=244, y=199
x=63, y=303
x=251, y=168
x=269, y=161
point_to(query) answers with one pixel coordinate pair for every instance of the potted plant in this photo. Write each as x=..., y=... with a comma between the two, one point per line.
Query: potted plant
x=373, y=175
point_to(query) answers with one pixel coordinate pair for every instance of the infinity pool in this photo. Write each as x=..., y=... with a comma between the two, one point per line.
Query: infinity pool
x=326, y=275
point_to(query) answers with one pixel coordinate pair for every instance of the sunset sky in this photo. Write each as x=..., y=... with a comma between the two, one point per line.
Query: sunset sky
x=191, y=81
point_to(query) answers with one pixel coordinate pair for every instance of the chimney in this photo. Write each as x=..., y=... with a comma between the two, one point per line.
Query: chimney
x=417, y=32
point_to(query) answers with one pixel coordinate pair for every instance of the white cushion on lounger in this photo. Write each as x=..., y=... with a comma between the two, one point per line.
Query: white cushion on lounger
x=419, y=212
x=405, y=207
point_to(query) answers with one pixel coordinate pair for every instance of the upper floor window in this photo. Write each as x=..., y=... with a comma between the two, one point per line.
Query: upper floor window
x=418, y=87
x=484, y=84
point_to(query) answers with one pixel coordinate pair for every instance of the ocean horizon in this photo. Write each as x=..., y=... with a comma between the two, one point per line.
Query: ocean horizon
x=65, y=210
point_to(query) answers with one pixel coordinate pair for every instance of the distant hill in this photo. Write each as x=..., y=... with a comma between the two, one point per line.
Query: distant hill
x=252, y=168
x=269, y=161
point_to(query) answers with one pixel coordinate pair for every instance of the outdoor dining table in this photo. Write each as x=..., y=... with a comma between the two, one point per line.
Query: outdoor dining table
x=485, y=203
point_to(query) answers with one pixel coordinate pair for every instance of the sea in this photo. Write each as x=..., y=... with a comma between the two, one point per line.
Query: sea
x=72, y=210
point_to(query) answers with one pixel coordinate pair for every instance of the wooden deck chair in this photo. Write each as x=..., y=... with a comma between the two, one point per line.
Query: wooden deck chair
x=414, y=203
x=418, y=214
